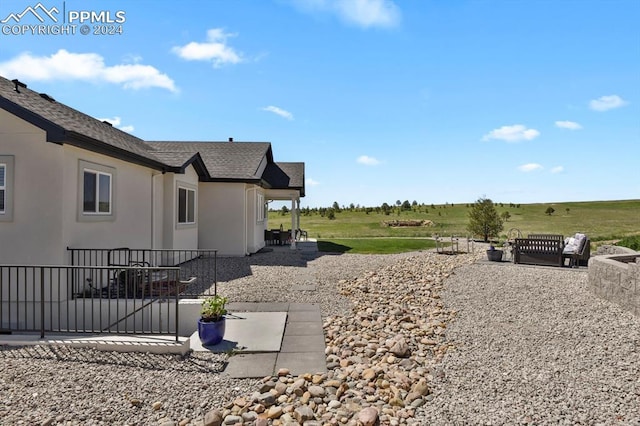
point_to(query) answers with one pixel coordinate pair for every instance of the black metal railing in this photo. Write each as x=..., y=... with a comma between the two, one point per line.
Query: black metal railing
x=199, y=266
x=90, y=299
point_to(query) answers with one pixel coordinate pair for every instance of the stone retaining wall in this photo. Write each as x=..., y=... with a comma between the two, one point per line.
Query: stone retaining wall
x=617, y=278
x=609, y=249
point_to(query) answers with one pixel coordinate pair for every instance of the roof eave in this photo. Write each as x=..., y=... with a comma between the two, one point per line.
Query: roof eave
x=55, y=133
x=81, y=141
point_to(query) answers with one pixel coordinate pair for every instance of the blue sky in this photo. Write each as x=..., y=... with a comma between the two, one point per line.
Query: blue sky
x=433, y=101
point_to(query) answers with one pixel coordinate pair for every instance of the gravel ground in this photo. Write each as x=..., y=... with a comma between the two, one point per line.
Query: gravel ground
x=533, y=345
x=526, y=345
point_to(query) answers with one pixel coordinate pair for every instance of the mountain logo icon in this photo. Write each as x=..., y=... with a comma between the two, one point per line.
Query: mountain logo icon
x=39, y=10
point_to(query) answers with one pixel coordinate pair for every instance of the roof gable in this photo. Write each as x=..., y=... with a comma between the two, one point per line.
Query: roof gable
x=224, y=160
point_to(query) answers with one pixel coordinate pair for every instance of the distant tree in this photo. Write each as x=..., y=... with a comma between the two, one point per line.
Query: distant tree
x=567, y=210
x=335, y=206
x=398, y=203
x=414, y=204
x=484, y=219
x=549, y=211
x=505, y=216
x=284, y=211
x=352, y=207
x=433, y=207
x=331, y=214
x=406, y=205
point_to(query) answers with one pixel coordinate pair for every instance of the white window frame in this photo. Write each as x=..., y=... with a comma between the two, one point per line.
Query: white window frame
x=99, y=170
x=7, y=163
x=260, y=207
x=3, y=188
x=188, y=190
x=98, y=174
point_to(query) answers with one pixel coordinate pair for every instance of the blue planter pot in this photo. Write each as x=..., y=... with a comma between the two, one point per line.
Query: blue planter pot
x=211, y=333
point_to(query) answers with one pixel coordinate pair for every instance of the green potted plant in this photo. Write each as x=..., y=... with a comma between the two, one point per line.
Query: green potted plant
x=212, y=322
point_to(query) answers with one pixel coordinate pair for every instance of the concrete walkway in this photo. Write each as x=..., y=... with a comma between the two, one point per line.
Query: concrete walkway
x=301, y=349
x=261, y=345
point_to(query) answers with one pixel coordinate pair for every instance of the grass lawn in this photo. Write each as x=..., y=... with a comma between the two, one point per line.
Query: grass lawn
x=374, y=245
x=600, y=220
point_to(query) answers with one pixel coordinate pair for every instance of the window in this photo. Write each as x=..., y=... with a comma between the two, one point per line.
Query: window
x=186, y=206
x=97, y=192
x=3, y=187
x=260, y=207
x=6, y=188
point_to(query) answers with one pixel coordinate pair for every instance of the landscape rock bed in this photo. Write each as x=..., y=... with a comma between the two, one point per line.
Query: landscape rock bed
x=411, y=339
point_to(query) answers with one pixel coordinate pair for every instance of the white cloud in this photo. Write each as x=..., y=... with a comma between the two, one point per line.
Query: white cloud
x=362, y=13
x=514, y=133
x=605, y=103
x=279, y=111
x=116, y=122
x=368, y=161
x=215, y=49
x=311, y=182
x=571, y=125
x=64, y=65
x=530, y=167
x=557, y=169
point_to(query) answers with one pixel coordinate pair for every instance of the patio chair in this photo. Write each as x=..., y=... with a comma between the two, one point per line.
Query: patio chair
x=577, y=249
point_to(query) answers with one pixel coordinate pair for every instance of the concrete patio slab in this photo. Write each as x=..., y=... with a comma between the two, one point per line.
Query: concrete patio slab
x=257, y=307
x=305, y=316
x=248, y=332
x=302, y=362
x=310, y=328
x=301, y=344
x=246, y=366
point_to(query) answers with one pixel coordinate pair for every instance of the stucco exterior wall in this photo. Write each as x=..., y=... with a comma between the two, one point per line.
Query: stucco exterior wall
x=34, y=234
x=222, y=218
x=130, y=223
x=255, y=228
x=177, y=236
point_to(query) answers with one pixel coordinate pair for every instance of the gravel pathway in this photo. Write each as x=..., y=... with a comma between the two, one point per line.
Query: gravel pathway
x=533, y=345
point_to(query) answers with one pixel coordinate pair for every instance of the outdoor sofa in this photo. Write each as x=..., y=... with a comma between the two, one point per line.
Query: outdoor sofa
x=539, y=249
x=552, y=250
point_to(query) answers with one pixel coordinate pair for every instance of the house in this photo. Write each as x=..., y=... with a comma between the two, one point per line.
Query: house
x=70, y=180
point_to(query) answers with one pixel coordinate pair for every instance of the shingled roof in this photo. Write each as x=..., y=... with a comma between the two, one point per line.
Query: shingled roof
x=64, y=124
x=285, y=176
x=224, y=160
x=213, y=161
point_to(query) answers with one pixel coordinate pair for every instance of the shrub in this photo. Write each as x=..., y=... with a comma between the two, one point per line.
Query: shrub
x=632, y=242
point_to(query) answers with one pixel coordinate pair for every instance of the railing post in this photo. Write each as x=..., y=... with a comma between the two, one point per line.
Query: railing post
x=41, y=302
x=177, y=283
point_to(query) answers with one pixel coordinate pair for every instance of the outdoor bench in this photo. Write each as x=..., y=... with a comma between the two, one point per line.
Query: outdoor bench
x=539, y=249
